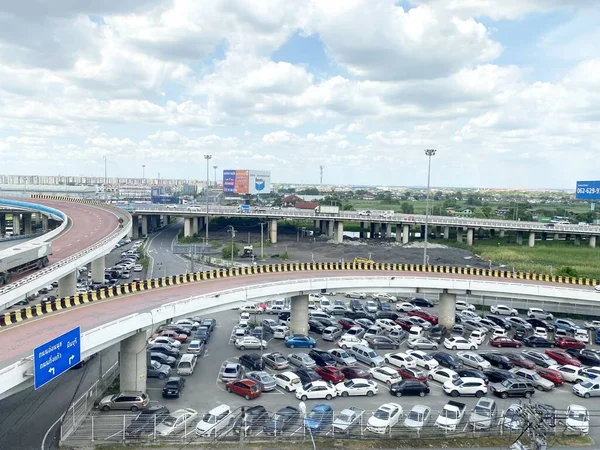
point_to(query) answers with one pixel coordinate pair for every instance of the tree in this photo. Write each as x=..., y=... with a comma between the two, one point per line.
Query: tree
x=459, y=195
x=450, y=203
x=437, y=196
x=568, y=271
x=309, y=191
x=407, y=208
x=226, y=251
x=486, y=211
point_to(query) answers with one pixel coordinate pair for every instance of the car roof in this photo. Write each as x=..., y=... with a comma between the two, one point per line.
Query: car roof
x=420, y=408
x=221, y=408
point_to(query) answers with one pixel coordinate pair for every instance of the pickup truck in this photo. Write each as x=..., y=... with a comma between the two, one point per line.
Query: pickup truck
x=451, y=415
x=347, y=419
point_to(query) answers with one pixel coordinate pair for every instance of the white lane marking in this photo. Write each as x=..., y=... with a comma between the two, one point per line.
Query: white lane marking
x=48, y=432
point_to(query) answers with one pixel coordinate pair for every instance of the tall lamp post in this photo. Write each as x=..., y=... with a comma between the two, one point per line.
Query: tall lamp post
x=215, y=167
x=429, y=152
x=143, y=173
x=207, y=158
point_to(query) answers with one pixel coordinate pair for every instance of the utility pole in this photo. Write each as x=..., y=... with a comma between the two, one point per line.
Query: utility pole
x=105, y=182
x=321, y=169
x=207, y=158
x=262, y=256
x=215, y=167
x=429, y=152
x=536, y=426
x=143, y=173
x=232, y=231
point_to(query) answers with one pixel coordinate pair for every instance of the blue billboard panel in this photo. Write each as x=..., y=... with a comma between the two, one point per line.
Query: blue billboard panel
x=588, y=190
x=56, y=357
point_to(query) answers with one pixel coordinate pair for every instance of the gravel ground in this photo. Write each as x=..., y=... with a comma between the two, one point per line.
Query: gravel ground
x=304, y=249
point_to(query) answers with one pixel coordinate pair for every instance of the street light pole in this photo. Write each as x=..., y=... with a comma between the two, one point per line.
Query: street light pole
x=207, y=158
x=105, y=182
x=429, y=152
x=215, y=167
x=262, y=256
x=143, y=173
x=232, y=230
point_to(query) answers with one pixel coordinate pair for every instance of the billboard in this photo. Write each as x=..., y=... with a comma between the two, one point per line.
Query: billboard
x=245, y=182
x=588, y=190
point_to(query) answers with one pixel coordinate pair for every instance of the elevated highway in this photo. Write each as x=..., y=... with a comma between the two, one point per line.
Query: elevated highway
x=118, y=314
x=92, y=230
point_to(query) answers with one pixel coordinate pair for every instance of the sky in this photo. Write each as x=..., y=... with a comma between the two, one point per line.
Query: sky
x=507, y=92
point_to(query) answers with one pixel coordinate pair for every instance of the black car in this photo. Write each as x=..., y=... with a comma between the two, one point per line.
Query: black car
x=377, y=342
x=497, y=360
x=145, y=421
x=437, y=333
x=315, y=326
x=281, y=420
x=387, y=315
x=258, y=332
x=359, y=315
x=384, y=306
x=519, y=322
x=307, y=375
x=409, y=387
x=356, y=305
x=173, y=387
x=586, y=356
x=322, y=358
x=499, y=321
x=202, y=334
x=328, y=322
x=446, y=360
x=252, y=361
x=209, y=323
x=422, y=302
x=537, y=341
x=471, y=373
x=253, y=418
x=520, y=334
x=165, y=349
x=541, y=323
x=499, y=375
x=356, y=372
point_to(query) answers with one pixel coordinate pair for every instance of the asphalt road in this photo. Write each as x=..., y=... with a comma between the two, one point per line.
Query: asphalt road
x=159, y=249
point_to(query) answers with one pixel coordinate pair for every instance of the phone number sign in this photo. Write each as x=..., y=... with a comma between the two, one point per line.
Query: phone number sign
x=588, y=190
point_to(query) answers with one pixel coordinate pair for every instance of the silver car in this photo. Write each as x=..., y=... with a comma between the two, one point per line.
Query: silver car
x=422, y=343
x=264, y=380
x=301, y=360
x=341, y=356
x=474, y=360
x=533, y=377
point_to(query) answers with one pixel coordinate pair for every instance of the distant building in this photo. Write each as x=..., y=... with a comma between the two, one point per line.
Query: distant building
x=368, y=196
x=306, y=205
x=464, y=212
x=502, y=211
x=289, y=201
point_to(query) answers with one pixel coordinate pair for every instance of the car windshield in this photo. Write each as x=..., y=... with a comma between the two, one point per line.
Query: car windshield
x=345, y=417
x=587, y=385
x=506, y=383
x=315, y=415
x=458, y=382
x=449, y=414
x=577, y=415
x=383, y=415
x=170, y=421
x=349, y=383
x=482, y=411
x=415, y=416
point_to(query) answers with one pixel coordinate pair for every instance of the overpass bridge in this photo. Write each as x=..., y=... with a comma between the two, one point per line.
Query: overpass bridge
x=403, y=225
x=125, y=314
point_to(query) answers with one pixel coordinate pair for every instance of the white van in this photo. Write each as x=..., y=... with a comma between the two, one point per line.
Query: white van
x=416, y=332
x=214, y=421
x=187, y=364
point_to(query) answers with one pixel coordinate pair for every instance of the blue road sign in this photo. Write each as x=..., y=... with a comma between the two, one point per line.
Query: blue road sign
x=56, y=357
x=588, y=190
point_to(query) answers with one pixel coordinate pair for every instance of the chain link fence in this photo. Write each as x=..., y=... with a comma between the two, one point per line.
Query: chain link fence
x=113, y=427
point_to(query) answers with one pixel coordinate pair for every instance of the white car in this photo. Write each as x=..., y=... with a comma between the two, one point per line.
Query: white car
x=442, y=374
x=473, y=360
x=386, y=375
x=406, y=307
x=498, y=332
x=462, y=305
x=387, y=297
x=386, y=324
x=384, y=418
x=356, y=386
x=400, y=360
x=418, y=417
x=250, y=342
x=459, y=343
x=287, y=380
x=250, y=309
x=578, y=419
x=316, y=298
x=570, y=373
x=465, y=386
x=347, y=341
x=587, y=389
x=188, y=323
x=355, y=294
x=478, y=337
x=371, y=306
x=316, y=390
x=503, y=310
x=280, y=332
x=176, y=421
x=592, y=324
x=469, y=315
x=165, y=340
x=423, y=359
x=336, y=310
x=138, y=268
x=538, y=313
x=540, y=332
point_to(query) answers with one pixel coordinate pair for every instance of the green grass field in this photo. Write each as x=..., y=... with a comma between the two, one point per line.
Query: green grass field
x=546, y=257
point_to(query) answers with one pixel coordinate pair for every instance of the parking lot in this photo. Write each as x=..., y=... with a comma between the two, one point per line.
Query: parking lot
x=204, y=389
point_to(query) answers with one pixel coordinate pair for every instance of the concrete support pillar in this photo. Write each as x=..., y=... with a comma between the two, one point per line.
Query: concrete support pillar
x=144, y=225
x=531, y=238
x=155, y=223
x=577, y=239
x=387, y=229
x=67, y=285
x=446, y=232
x=323, y=226
x=470, y=232
x=405, y=233
x=459, y=234
x=519, y=237
x=593, y=241
x=187, y=227
x=195, y=225
x=438, y=232
x=373, y=230
x=98, y=268
x=27, y=229
x=363, y=233
x=398, y=232
x=492, y=232
x=544, y=236
x=556, y=236
x=330, y=229
x=273, y=230
x=16, y=224
x=502, y=233
x=447, y=310
x=135, y=227
x=339, y=232
x=133, y=362
x=299, y=314
x=423, y=231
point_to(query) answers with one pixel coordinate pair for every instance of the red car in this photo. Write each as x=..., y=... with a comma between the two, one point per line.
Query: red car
x=404, y=324
x=356, y=372
x=550, y=374
x=563, y=358
x=173, y=335
x=347, y=323
x=246, y=388
x=519, y=360
x=568, y=342
x=505, y=342
x=330, y=373
x=424, y=315
x=412, y=374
